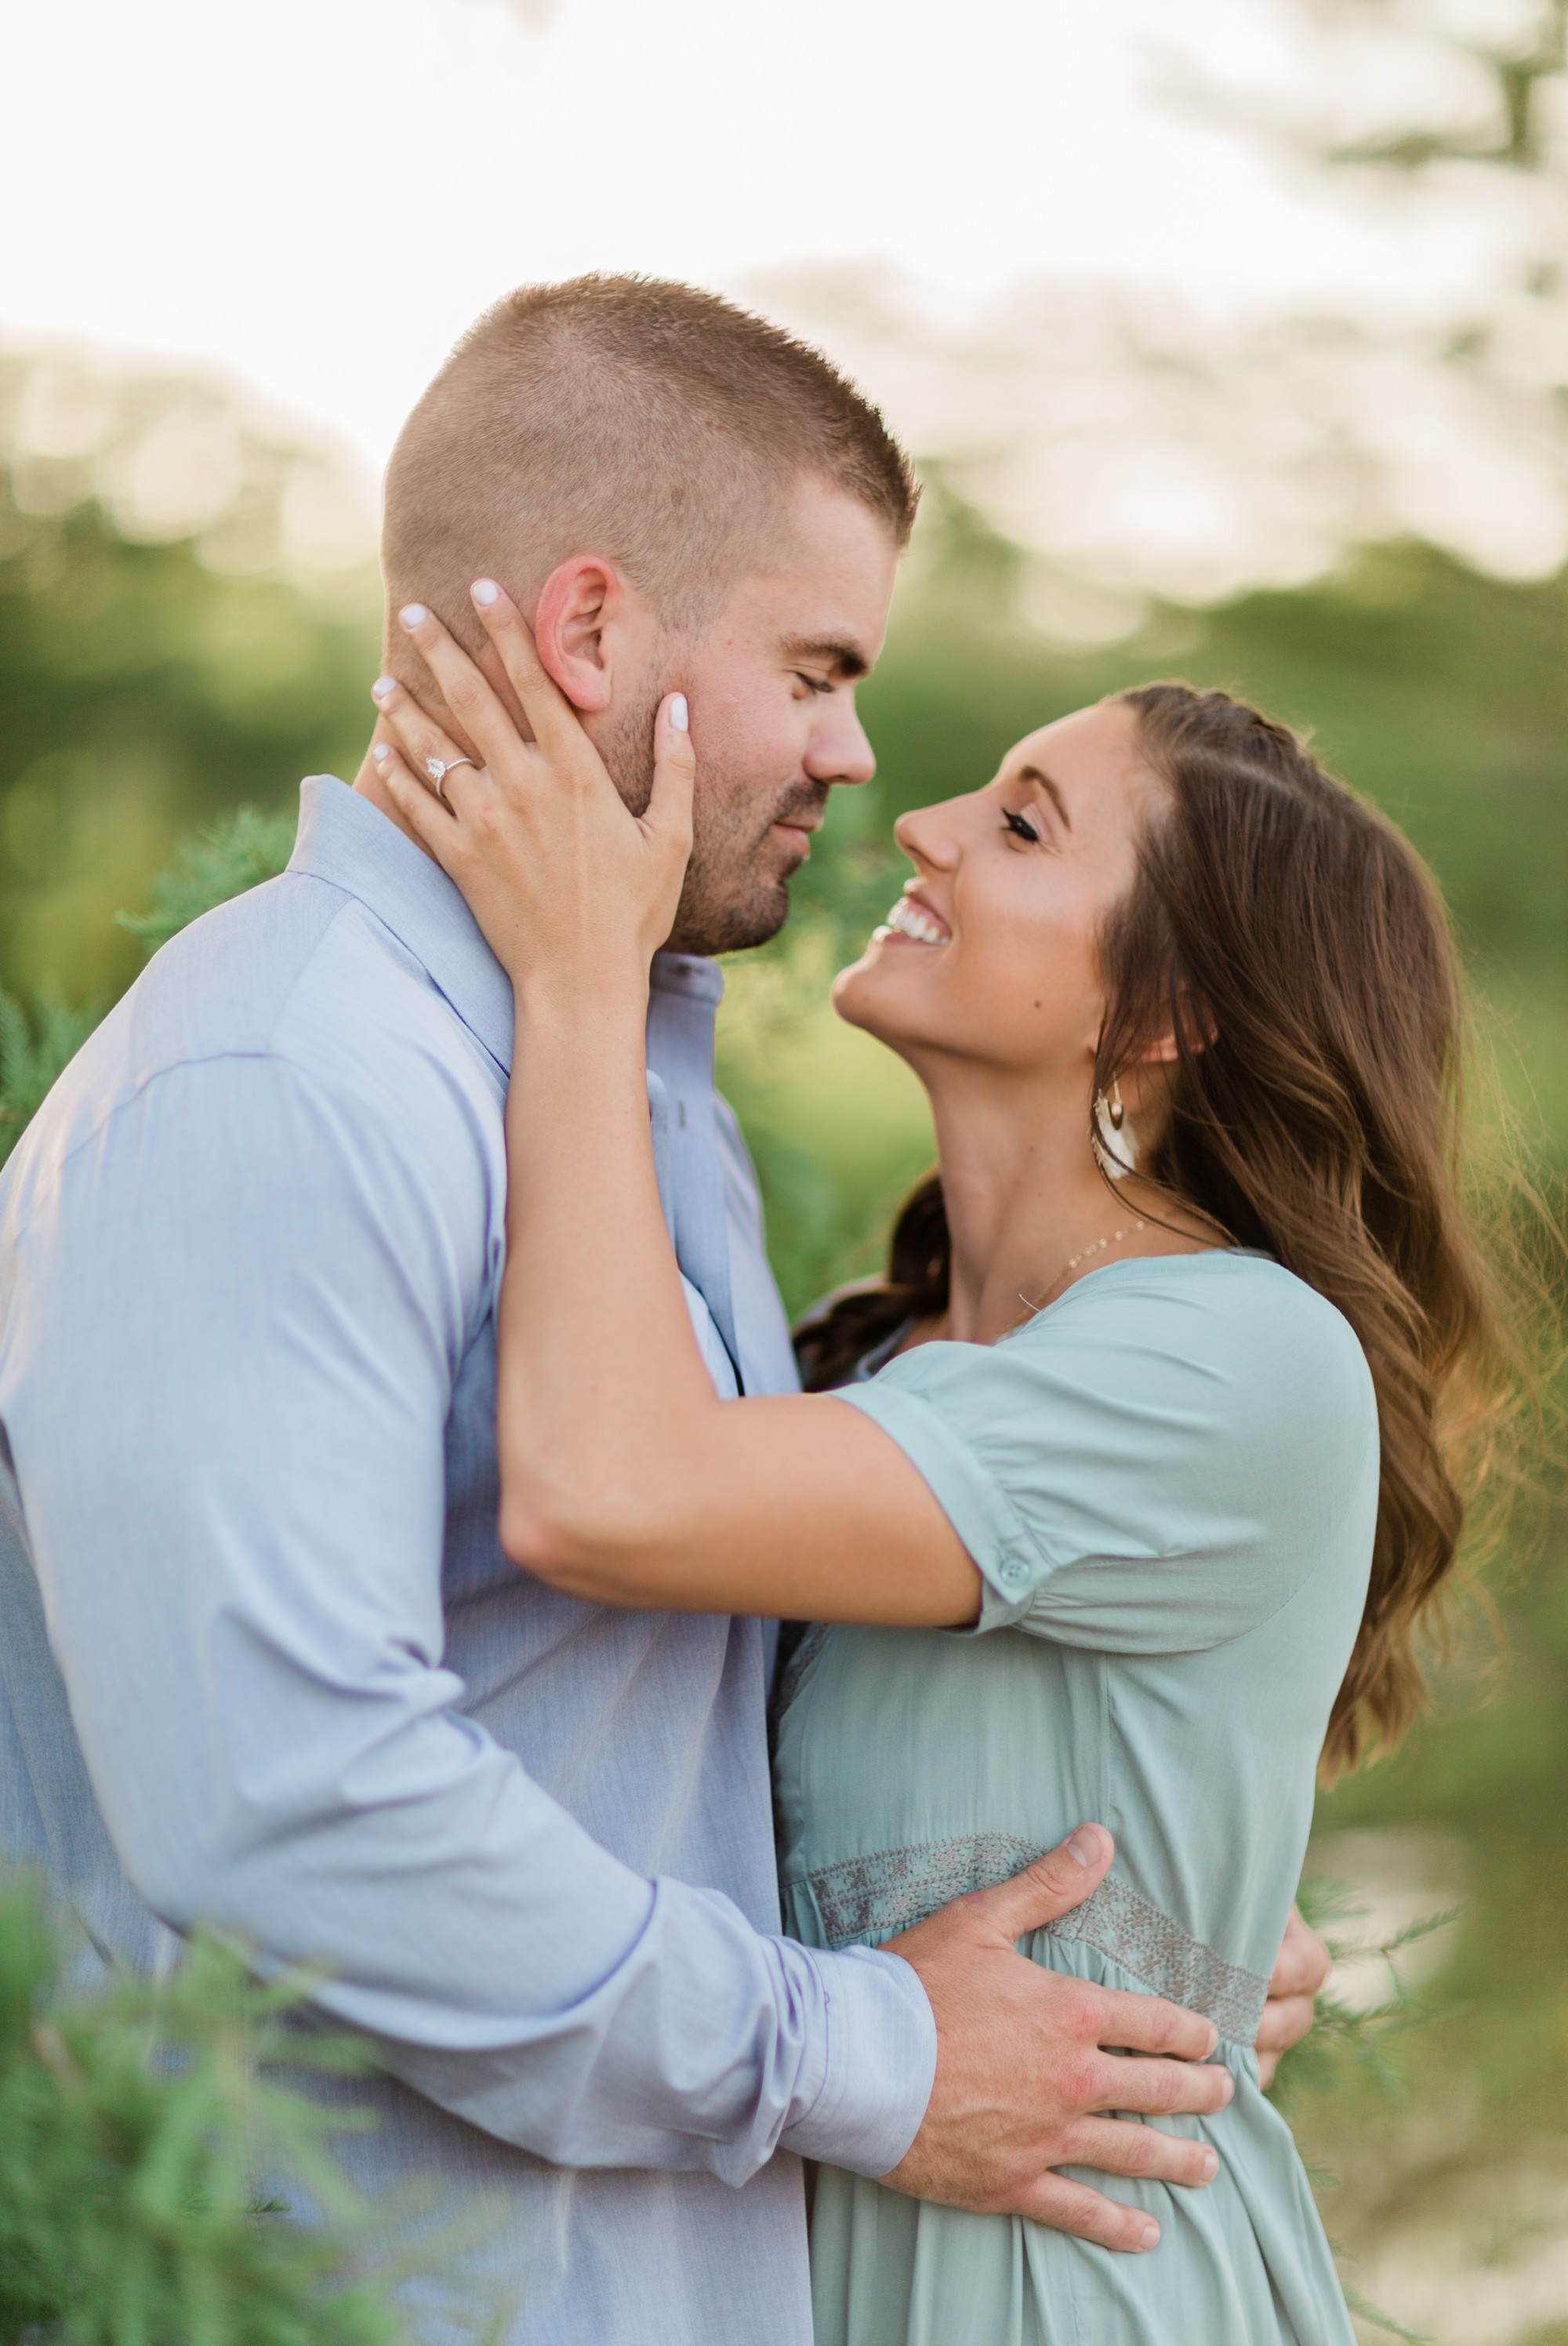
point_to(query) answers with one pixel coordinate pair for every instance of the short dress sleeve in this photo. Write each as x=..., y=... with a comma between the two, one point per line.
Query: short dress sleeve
x=1155, y=1463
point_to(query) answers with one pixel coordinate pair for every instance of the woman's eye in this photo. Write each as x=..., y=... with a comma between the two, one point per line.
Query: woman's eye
x=1020, y=826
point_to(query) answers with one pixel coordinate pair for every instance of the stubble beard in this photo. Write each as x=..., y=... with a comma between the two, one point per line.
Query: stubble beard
x=736, y=893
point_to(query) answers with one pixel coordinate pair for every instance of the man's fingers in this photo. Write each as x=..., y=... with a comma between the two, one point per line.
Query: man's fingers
x=1117, y=2146
x=1304, y=1961
x=1148, y=2023
x=1069, y=2206
x=1285, y=2021
x=1049, y=1887
x=1160, y=2090
x=549, y=712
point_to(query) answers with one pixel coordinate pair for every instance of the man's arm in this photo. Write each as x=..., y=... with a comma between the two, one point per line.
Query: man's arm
x=240, y=1305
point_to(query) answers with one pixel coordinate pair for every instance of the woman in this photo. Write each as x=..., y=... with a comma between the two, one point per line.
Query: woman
x=1132, y=1490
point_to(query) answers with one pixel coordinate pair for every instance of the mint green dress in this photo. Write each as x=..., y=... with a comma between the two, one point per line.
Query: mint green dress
x=1168, y=1480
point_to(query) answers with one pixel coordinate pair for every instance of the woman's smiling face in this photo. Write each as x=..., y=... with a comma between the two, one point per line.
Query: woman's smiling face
x=991, y=954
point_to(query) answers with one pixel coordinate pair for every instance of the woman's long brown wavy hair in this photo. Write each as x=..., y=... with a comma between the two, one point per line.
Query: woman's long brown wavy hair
x=1296, y=946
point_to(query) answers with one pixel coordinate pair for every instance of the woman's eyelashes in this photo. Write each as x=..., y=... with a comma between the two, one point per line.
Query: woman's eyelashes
x=1020, y=826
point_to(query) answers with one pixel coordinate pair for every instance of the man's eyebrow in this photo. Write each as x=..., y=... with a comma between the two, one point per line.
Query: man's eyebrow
x=1033, y=774
x=845, y=659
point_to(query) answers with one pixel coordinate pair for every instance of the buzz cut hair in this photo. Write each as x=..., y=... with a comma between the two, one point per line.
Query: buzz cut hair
x=651, y=423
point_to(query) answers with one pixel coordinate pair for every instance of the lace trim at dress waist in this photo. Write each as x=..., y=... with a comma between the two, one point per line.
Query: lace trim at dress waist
x=877, y=1896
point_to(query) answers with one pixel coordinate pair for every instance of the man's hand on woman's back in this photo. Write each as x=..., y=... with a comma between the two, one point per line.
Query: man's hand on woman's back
x=1301, y=1974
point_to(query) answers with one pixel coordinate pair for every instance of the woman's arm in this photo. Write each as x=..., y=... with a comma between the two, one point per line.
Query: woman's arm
x=624, y=1477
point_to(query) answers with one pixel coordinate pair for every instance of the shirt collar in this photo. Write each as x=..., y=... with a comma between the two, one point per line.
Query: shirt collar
x=346, y=840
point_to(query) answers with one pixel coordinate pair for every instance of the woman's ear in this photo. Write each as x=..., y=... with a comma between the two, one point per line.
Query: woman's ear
x=1197, y=1032
x=578, y=606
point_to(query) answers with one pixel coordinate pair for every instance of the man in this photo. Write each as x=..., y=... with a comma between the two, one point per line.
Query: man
x=265, y=1664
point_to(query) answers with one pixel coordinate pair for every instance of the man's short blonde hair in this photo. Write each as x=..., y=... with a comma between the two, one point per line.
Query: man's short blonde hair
x=652, y=424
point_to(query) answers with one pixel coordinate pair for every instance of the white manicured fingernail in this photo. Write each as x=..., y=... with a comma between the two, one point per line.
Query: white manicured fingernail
x=679, y=714
x=382, y=685
x=485, y=591
x=381, y=751
x=414, y=614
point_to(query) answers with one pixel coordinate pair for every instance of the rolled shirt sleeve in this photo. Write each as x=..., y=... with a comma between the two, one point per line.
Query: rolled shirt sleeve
x=1154, y=1464
x=241, y=1301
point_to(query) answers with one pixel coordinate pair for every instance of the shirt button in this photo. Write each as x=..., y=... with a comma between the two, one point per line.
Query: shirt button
x=1013, y=1572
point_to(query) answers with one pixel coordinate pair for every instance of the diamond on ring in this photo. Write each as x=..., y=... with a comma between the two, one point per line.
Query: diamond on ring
x=439, y=768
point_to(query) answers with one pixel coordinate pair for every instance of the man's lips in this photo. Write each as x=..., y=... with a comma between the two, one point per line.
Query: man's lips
x=799, y=829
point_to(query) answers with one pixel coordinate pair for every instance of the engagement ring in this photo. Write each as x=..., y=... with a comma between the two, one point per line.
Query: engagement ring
x=438, y=771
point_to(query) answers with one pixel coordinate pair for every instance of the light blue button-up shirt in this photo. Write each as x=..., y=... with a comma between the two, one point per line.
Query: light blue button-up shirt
x=262, y=1661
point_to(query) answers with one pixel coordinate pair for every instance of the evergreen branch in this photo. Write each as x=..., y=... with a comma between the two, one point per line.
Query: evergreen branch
x=222, y=862
x=1367, y=2311
x=134, y=2125
x=36, y=1045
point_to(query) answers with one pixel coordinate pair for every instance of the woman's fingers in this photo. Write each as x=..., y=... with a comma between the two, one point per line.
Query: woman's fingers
x=667, y=817
x=464, y=688
x=554, y=721
x=430, y=819
x=422, y=740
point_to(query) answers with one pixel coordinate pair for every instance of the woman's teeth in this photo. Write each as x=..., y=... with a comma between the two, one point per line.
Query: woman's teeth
x=909, y=921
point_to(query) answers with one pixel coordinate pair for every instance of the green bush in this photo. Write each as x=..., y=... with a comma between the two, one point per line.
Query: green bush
x=134, y=2125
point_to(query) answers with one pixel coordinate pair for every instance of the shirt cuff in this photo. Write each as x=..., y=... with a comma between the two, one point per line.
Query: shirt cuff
x=971, y=1498
x=880, y=2062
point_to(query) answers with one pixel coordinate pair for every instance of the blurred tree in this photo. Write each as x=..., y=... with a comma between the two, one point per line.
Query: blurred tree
x=1447, y=121
x=134, y=2125
x=165, y=650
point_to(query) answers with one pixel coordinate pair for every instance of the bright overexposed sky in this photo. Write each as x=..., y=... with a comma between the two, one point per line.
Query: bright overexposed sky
x=318, y=194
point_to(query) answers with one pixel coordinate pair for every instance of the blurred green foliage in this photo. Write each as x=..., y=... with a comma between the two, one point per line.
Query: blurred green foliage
x=134, y=2126
x=148, y=699
x=142, y=696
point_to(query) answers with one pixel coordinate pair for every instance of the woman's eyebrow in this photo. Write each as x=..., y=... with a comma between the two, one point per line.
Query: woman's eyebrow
x=1033, y=774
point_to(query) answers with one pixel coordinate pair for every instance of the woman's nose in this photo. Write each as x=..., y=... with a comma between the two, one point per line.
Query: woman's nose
x=925, y=838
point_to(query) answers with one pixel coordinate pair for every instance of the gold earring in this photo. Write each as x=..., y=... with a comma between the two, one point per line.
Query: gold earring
x=1116, y=1105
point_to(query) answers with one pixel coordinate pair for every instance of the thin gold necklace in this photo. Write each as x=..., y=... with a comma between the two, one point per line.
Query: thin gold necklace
x=1098, y=1246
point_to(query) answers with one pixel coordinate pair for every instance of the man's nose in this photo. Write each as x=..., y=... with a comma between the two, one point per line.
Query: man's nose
x=839, y=749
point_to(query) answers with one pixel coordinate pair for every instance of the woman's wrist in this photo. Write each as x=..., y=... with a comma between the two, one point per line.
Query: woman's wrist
x=620, y=977
x=613, y=1002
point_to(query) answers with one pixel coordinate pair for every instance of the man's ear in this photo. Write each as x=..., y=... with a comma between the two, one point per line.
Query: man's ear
x=574, y=626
